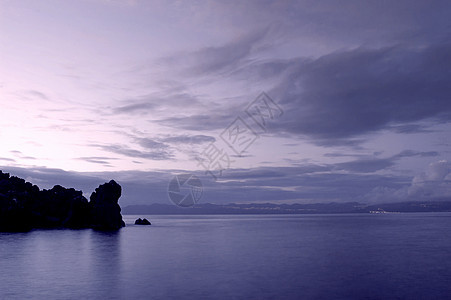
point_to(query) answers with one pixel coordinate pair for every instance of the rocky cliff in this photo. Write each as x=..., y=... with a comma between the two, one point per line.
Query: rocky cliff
x=23, y=206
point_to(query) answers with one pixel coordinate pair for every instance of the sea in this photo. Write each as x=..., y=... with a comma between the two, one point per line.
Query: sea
x=340, y=256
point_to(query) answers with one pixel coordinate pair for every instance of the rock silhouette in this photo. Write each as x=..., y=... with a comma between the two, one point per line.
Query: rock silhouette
x=23, y=206
x=104, y=207
x=142, y=222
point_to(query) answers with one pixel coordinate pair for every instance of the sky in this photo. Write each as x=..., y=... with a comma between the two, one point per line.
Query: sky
x=263, y=101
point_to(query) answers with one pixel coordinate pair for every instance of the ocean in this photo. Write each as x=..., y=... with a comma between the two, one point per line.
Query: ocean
x=342, y=256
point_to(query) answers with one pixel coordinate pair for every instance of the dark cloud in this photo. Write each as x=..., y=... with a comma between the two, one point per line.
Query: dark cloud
x=348, y=94
x=337, y=99
x=354, y=22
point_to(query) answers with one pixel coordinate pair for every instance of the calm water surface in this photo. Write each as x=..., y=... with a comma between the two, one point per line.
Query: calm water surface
x=358, y=256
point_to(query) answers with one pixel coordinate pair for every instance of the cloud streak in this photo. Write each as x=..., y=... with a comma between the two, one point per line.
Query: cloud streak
x=213, y=60
x=154, y=154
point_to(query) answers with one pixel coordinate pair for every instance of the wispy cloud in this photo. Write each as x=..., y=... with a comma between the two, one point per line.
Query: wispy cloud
x=374, y=164
x=154, y=154
x=135, y=107
x=38, y=94
x=210, y=60
x=20, y=155
x=7, y=159
x=102, y=160
x=189, y=139
x=197, y=122
x=154, y=103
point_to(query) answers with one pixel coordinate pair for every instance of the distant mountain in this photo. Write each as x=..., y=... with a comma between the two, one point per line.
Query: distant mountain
x=269, y=208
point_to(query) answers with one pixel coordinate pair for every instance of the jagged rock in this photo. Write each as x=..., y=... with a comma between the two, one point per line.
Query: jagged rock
x=142, y=222
x=24, y=206
x=104, y=207
x=16, y=196
x=61, y=207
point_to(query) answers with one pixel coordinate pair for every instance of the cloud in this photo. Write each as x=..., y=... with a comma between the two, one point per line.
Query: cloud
x=38, y=94
x=307, y=55
x=189, y=139
x=347, y=94
x=307, y=183
x=411, y=153
x=339, y=98
x=156, y=148
x=370, y=165
x=366, y=165
x=154, y=154
x=303, y=184
x=149, y=143
x=166, y=99
x=435, y=182
x=409, y=128
x=199, y=122
x=7, y=159
x=209, y=60
x=135, y=107
x=101, y=160
x=20, y=155
x=164, y=142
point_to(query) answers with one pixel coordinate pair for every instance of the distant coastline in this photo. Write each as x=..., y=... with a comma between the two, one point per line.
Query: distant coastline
x=268, y=208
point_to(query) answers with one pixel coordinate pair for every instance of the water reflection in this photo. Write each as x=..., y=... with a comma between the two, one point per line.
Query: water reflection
x=69, y=263
x=105, y=261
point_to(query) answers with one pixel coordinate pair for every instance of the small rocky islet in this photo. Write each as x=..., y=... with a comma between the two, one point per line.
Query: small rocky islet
x=140, y=221
x=23, y=206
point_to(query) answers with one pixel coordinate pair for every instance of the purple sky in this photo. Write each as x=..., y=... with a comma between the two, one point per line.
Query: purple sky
x=137, y=90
